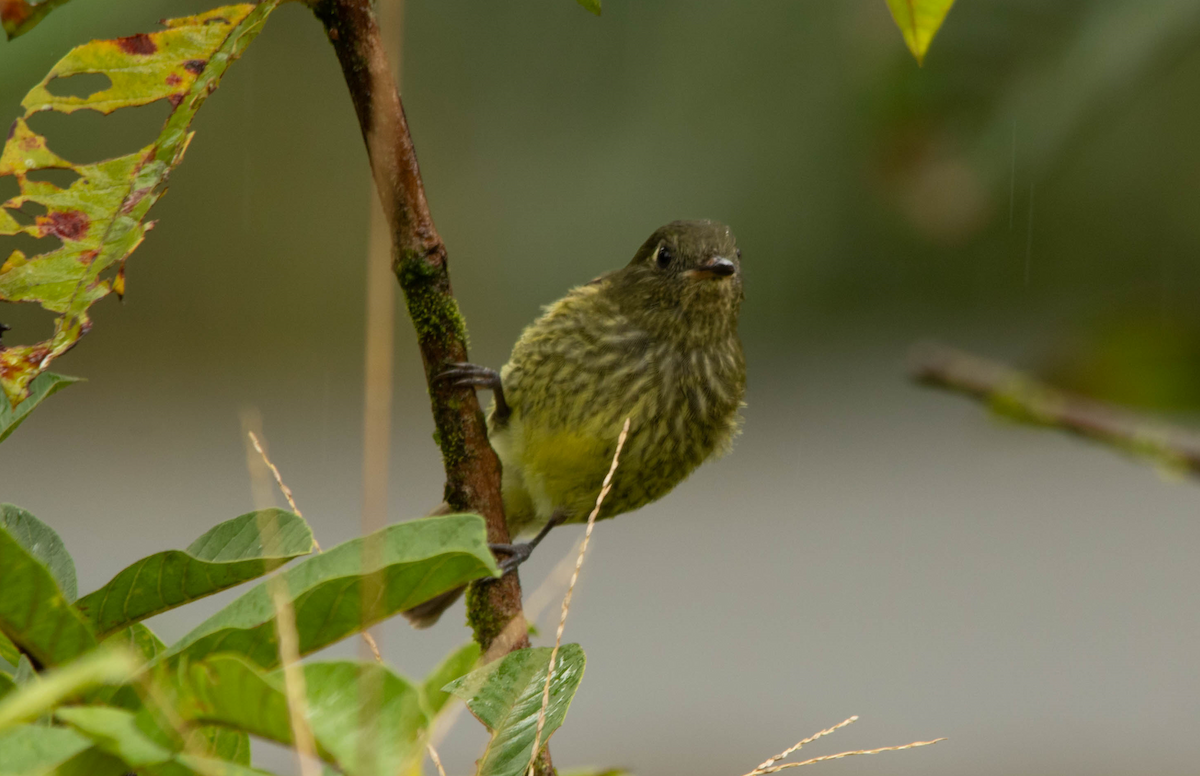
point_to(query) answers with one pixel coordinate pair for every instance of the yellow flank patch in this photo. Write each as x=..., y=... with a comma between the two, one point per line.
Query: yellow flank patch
x=563, y=468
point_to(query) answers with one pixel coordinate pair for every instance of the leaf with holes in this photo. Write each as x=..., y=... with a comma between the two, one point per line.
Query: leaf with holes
x=229, y=554
x=20, y=16
x=412, y=562
x=99, y=218
x=34, y=613
x=42, y=542
x=506, y=695
x=919, y=21
x=40, y=389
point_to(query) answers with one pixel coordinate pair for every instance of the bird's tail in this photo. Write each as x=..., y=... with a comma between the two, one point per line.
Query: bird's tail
x=426, y=614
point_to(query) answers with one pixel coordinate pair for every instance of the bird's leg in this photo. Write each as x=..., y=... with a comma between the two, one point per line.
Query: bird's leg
x=519, y=553
x=466, y=375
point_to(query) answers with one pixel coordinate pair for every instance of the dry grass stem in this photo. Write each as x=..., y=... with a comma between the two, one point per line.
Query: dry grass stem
x=371, y=645
x=554, y=583
x=795, y=747
x=437, y=761
x=285, y=619
x=840, y=755
x=287, y=493
x=279, y=480
x=769, y=765
x=566, y=606
x=293, y=676
x=537, y=601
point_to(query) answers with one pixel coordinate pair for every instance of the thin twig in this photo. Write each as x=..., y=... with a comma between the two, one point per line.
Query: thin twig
x=420, y=261
x=769, y=765
x=566, y=605
x=1028, y=400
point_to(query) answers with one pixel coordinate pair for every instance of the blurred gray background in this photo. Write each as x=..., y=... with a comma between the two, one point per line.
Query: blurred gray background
x=870, y=547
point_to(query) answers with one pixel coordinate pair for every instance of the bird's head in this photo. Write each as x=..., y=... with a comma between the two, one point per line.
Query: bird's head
x=687, y=272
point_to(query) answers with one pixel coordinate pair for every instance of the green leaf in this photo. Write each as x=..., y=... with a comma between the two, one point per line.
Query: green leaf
x=7, y=684
x=506, y=695
x=919, y=21
x=139, y=641
x=53, y=687
x=413, y=561
x=224, y=744
x=591, y=5
x=457, y=664
x=24, y=673
x=231, y=553
x=205, y=766
x=32, y=750
x=42, y=542
x=34, y=613
x=92, y=761
x=367, y=717
x=40, y=389
x=8, y=650
x=229, y=691
x=100, y=217
x=115, y=731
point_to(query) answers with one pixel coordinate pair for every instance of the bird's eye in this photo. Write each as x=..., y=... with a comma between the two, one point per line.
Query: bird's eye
x=663, y=257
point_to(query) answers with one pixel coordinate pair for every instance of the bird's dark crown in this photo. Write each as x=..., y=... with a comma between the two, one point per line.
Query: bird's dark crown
x=690, y=244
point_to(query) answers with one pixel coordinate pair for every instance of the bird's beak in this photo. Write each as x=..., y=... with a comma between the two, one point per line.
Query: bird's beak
x=716, y=267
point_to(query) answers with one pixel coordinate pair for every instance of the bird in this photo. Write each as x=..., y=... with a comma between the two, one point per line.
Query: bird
x=655, y=342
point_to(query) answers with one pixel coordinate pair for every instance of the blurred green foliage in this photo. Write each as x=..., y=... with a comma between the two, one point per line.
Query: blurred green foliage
x=1032, y=181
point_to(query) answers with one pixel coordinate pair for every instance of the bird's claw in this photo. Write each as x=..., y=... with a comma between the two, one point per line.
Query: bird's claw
x=516, y=555
x=465, y=375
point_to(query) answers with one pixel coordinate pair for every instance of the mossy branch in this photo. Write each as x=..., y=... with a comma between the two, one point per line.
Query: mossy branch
x=420, y=262
x=1027, y=400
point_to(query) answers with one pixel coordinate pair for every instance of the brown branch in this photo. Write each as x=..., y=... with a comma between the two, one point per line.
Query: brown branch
x=420, y=263
x=1027, y=400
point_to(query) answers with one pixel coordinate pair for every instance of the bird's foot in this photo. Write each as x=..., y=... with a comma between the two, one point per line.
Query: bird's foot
x=515, y=555
x=464, y=375
x=519, y=553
